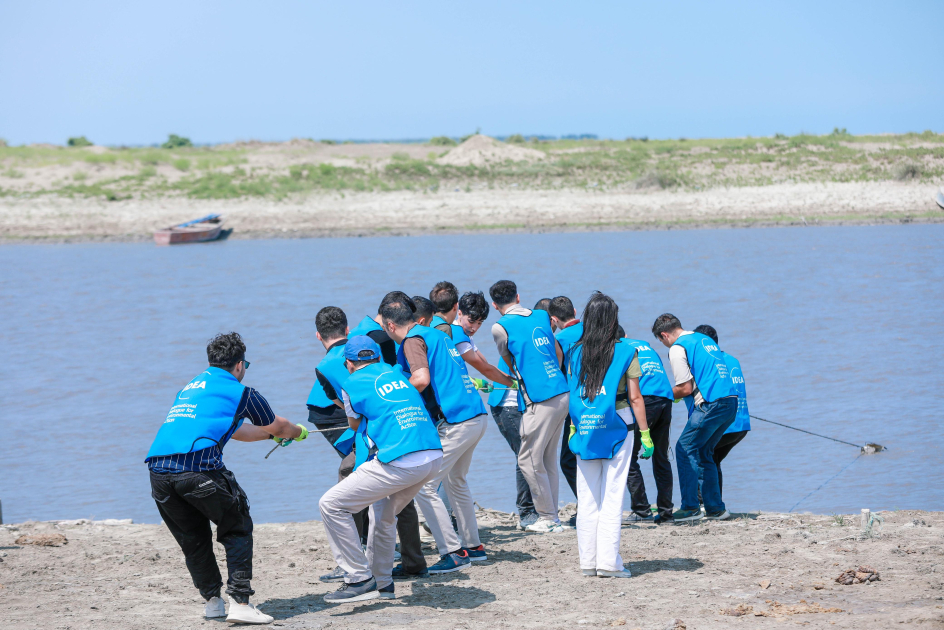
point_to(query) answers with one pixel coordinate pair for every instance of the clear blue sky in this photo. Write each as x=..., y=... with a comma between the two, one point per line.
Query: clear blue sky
x=131, y=72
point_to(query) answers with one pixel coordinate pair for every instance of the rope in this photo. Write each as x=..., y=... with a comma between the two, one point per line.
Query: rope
x=823, y=485
x=805, y=431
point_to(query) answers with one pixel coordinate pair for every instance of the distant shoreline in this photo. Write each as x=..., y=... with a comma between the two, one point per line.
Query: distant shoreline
x=478, y=211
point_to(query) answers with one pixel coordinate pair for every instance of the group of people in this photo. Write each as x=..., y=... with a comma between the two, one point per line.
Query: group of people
x=395, y=399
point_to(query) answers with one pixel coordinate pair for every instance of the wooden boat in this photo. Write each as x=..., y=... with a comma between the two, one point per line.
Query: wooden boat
x=196, y=231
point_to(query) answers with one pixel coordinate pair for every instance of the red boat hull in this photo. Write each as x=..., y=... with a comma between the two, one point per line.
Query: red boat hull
x=199, y=233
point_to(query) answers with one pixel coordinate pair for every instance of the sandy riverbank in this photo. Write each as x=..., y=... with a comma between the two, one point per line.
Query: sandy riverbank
x=48, y=219
x=133, y=576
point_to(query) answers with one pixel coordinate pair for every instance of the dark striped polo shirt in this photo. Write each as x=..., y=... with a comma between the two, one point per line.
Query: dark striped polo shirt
x=252, y=406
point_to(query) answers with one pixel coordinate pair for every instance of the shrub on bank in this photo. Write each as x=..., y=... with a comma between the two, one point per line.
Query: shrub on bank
x=442, y=141
x=79, y=141
x=175, y=142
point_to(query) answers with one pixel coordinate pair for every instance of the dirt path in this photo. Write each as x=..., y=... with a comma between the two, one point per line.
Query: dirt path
x=57, y=218
x=122, y=576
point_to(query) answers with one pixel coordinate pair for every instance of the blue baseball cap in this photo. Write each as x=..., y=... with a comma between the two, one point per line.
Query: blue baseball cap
x=356, y=345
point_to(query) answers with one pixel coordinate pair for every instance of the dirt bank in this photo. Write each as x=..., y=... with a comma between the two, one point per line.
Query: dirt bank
x=771, y=569
x=476, y=209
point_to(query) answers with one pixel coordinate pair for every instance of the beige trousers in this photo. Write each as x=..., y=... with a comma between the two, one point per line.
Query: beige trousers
x=541, y=426
x=387, y=490
x=458, y=441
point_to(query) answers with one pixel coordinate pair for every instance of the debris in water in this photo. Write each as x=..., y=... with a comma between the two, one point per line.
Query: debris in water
x=871, y=448
x=860, y=575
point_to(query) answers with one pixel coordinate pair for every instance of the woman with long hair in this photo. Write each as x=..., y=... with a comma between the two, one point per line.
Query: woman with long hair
x=603, y=371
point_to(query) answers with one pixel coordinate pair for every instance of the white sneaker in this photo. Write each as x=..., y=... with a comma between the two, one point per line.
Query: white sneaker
x=215, y=608
x=246, y=613
x=589, y=572
x=625, y=573
x=544, y=526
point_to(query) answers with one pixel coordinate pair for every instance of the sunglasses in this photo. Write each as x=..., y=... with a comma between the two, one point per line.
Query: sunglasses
x=245, y=364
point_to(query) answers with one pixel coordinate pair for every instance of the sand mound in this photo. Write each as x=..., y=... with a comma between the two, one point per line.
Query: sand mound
x=481, y=150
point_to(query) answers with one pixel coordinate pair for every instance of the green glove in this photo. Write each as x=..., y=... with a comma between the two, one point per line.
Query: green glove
x=647, y=445
x=514, y=383
x=677, y=400
x=303, y=435
x=573, y=429
x=483, y=385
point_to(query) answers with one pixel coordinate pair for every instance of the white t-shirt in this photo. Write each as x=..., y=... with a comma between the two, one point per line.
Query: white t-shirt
x=410, y=460
x=510, y=397
x=681, y=369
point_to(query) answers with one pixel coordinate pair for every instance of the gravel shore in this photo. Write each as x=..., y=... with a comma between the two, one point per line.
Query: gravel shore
x=57, y=219
x=757, y=571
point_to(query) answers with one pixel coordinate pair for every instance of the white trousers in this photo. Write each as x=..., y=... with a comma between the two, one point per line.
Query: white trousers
x=458, y=442
x=601, y=484
x=387, y=490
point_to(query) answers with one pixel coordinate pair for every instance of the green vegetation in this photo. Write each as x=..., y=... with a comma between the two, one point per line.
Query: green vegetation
x=443, y=141
x=516, y=138
x=597, y=165
x=176, y=142
x=80, y=141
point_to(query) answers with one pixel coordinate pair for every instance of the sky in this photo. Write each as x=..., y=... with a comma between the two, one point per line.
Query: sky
x=133, y=72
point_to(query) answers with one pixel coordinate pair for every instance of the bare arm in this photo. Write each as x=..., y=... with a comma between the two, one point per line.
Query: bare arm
x=281, y=428
x=637, y=403
x=486, y=369
x=420, y=379
x=560, y=353
x=683, y=390
x=353, y=422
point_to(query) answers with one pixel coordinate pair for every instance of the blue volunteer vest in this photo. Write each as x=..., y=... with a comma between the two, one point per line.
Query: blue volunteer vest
x=203, y=415
x=654, y=381
x=332, y=367
x=394, y=416
x=742, y=421
x=495, y=398
x=365, y=326
x=531, y=343
x=458, y=335
x=708, y=366
x=567, y=338
x=454, y=390
x=599, y=431
x=437, y=321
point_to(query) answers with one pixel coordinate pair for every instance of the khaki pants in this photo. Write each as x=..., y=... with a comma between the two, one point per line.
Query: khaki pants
x=541, y=427
x=387, y=490
x=458, y=441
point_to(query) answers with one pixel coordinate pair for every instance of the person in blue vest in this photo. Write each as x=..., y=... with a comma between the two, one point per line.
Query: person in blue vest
x=371, y=327
x=425, y=311
x=436, y=369
x=702, y=376
x=445, y=298
x=657, y=395
x=405, y=454
x=526, y=343
x=192, y=487
x=600, y=364
x=742, y=421
x=569, y=329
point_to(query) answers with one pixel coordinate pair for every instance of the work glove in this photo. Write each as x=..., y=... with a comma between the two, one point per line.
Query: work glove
x=677, y=400
x=302, y=435
x=573, y=430
x=483, y=385
x=514, y=383
x=647, y=446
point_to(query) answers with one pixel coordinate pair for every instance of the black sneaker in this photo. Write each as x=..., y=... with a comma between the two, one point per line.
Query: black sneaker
x=399, y=574
x=637, y=518
x=356, y=592
x=659, y=519
x=723, y=515
x=387, y=592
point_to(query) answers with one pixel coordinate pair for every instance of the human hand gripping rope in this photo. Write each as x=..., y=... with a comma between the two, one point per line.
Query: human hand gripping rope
x=286, y=441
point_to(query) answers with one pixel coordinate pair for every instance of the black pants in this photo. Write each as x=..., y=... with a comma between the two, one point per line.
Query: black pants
x=508, y=420
x=724, y=447
x=188, y=503
x=659, y=419
x=568, y=460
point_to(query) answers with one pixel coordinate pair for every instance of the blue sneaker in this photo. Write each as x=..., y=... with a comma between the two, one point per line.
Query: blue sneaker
x=476, y=554
x=387, y=592
x=450, y=563
x=681, y=517
x=528, y=519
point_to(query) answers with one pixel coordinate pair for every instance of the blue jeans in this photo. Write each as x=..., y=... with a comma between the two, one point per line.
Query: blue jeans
x=508, y=420
x=695, y=450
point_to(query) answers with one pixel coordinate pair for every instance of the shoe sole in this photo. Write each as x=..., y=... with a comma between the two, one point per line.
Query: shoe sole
x=612, y=575
x=723, y=517
x=334, y=579
x=682, y=521
x=363, y=597
x=249, y=623
x=452, y=570
x=476, y=559
x=388, y=596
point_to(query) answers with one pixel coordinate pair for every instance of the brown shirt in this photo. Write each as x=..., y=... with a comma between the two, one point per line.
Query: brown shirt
x=414, y=350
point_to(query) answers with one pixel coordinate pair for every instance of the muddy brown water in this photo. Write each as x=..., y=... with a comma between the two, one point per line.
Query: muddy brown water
x=839, y=331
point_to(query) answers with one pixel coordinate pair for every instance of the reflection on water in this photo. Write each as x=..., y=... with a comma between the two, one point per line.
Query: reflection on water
x=839, y=331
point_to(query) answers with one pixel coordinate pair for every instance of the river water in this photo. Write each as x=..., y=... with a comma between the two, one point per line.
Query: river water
x=839, y=331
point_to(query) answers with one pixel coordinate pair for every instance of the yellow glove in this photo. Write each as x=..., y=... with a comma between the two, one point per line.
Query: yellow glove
x=647, y=445
x=303, y=434
x=573, y=430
